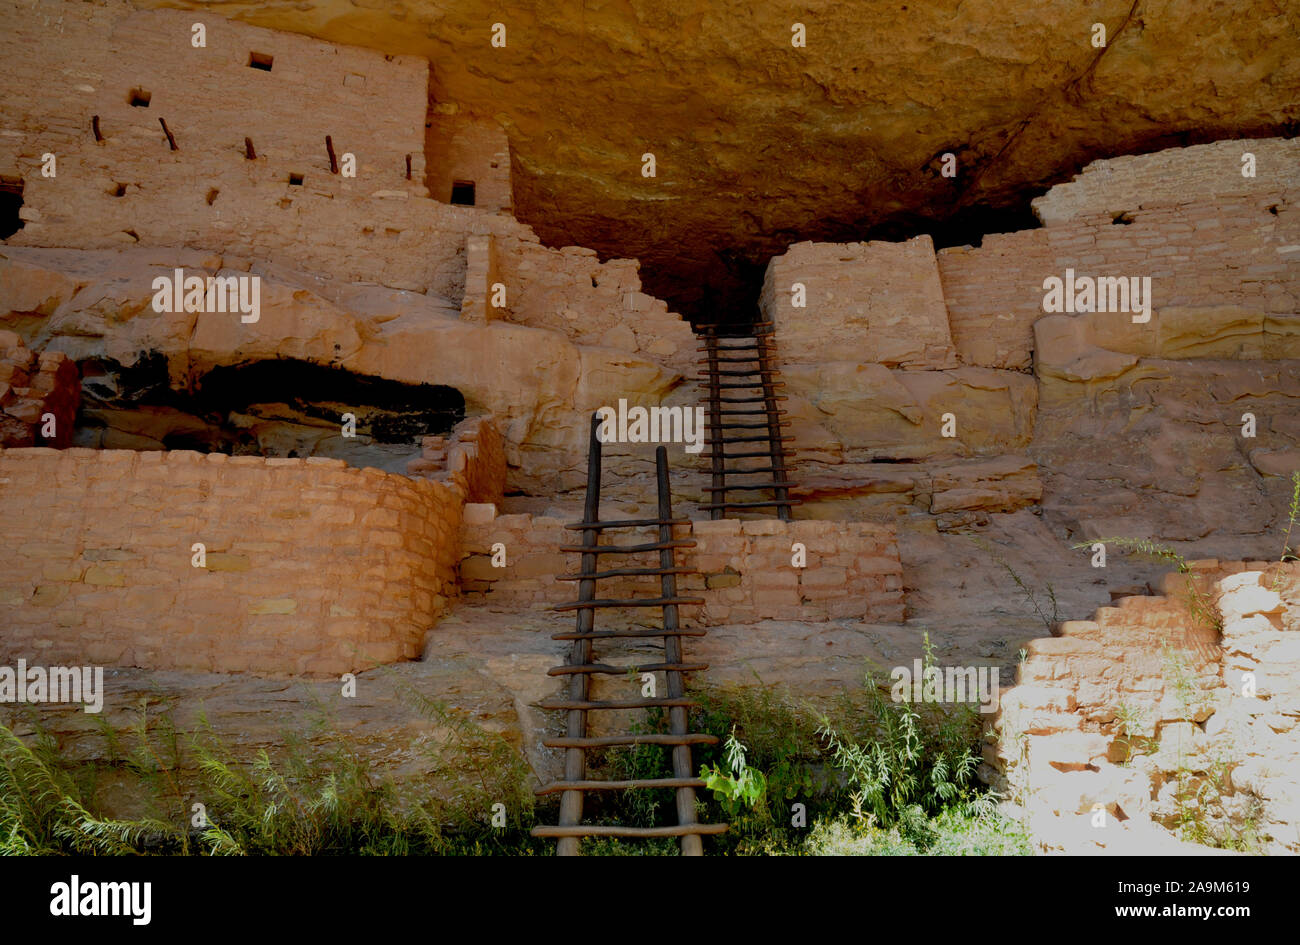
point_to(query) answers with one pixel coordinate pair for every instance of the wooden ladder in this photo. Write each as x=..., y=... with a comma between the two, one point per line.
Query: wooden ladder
x=582, y=665
x=745, y=366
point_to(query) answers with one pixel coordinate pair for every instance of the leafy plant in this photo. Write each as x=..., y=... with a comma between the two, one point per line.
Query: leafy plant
x=899, y=766
x=743, y=789
x=1048, y=611
x=1293, y=513
x=1135, y=729
x=307, y=802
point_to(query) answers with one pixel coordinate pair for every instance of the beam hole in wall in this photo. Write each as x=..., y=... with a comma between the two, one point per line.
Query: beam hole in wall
x=11, y=201
x=1122, y=219
x=117, y=190
x=462, y=193
x=212, y=195
x=295, y=180
x=139, y=98
x=263, y=61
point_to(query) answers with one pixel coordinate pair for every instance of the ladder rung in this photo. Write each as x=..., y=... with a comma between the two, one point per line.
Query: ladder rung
x=629, y=602
x=635, y=783
x=733, y=360
x=748, y=439
x=721, y=373
x=750, y=385
x=609, y=741
x=607, y=830
x=626, y=523
x=630, y=549
x=760, y=469
x=623, y=572
x=583, y=704
x=627, y=634
x=751, y=400
x=745, y=426
x=592, y=669
x=711, y=454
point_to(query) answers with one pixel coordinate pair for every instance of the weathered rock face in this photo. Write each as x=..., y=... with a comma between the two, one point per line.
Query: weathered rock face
x=759, y=143
x=1165, y=405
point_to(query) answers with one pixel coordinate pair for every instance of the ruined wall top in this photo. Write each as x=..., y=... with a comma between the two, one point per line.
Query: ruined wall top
x=1201, y=173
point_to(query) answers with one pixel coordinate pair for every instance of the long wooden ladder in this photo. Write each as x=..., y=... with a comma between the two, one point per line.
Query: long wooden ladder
x=581, y=665
x=741, y=380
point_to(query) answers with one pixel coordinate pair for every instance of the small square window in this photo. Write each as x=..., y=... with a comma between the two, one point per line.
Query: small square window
x=263, y=61
x=139, y=98
x=295, y=180
x=462, y=192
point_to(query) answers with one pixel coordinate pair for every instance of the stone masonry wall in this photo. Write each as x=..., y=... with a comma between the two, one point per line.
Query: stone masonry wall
x=1129, y=709
x=472, y=460
x=745, y=571
x=1233, y=253
x=380, y=227
x=33, y=387
x=869, y=380
x=880, y=301
x=311, y=566
x=1171, y=177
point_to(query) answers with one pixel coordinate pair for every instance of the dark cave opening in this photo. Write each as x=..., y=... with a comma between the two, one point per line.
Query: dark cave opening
x=263, y=408
x=711, y=272
x=11, y=201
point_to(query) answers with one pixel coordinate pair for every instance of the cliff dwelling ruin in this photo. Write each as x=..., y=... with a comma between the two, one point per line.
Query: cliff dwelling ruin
x=589, y=380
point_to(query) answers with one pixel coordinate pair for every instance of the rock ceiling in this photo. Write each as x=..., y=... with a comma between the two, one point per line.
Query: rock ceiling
x=759, y=144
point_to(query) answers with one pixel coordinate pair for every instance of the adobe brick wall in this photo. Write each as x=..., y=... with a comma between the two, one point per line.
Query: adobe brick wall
x=745, y=572
x=312, y=567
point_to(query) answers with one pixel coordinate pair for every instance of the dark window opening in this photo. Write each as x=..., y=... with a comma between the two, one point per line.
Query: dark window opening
x=1122, y=219
x=139, y=98
x=118, y=190
x=263, y=61
x=11, y=201
x=295, y=180
x=1273, y=209
x=462, y=192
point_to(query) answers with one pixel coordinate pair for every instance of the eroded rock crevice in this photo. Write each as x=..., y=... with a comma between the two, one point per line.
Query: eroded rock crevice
x=280, y=408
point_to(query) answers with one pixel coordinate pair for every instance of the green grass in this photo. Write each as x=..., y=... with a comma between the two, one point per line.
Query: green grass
x=870, y=776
